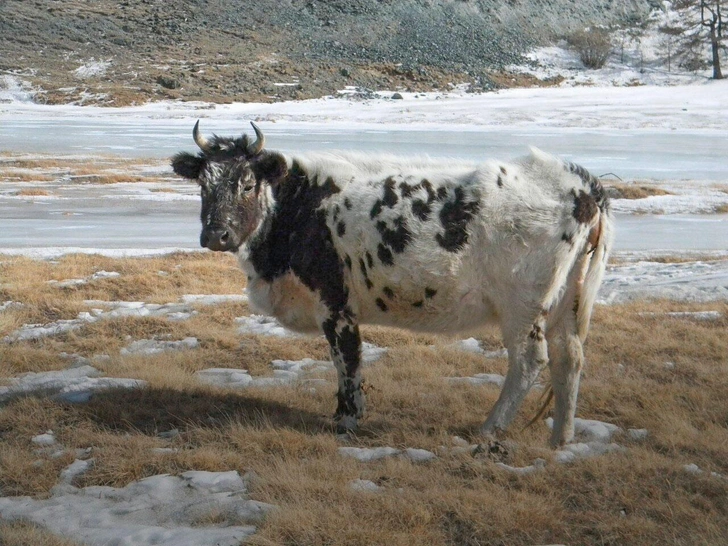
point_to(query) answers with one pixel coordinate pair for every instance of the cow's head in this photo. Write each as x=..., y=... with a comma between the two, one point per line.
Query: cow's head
x=233, y=174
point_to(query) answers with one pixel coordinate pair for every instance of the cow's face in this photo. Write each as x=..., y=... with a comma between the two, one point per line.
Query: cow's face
x=233, y=175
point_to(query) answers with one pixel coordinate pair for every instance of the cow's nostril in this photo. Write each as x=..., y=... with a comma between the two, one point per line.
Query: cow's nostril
x=224, y=237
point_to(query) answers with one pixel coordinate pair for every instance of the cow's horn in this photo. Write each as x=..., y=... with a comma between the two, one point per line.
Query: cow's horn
x=254, y=148
x=199, y=139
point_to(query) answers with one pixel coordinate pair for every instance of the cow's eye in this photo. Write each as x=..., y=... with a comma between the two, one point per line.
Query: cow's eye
x=248, y=188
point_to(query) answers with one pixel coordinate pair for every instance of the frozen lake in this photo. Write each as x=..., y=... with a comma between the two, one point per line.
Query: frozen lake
x=657, y=133
x=631, y=154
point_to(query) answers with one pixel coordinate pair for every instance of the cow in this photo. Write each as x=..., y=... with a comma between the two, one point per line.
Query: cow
x=330, y=241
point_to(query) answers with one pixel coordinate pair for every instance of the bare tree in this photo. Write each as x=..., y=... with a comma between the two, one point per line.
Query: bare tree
x=712, y=18
x=701, y=22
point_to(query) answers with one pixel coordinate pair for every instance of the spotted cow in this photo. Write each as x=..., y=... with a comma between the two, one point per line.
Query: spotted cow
x=330, y=241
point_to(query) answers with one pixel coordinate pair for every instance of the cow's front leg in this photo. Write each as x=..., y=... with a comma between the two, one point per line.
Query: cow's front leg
x=342, y=333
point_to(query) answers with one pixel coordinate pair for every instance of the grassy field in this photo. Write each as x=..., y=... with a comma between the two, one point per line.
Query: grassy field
x=641, y=495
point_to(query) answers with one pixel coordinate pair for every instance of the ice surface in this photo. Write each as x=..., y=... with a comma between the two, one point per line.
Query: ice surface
x=688, y=282
x=164, y=510
x=72, y=385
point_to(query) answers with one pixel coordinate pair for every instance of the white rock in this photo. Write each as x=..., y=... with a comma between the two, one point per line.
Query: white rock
x=47, y=439
x=590, y=430
x=478, y=379
x=75, y=469
x=637, y=434
x=419, y=455
x=364, y=486
x=368, y=454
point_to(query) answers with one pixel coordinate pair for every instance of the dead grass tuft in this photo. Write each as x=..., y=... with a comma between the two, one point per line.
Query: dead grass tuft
x=32, y=192
x=283, y=436
x=634, y=191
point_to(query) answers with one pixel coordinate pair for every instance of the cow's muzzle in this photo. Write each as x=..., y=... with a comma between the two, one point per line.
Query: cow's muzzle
x=219, y=240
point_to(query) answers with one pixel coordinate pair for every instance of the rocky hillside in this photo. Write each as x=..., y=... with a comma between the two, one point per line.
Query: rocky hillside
x=130, y=51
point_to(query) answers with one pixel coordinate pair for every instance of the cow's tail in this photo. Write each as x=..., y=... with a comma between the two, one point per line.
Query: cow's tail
x=599, y=244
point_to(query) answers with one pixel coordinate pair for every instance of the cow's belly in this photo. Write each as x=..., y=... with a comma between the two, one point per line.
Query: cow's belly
x=287, y=299
x=448, y=311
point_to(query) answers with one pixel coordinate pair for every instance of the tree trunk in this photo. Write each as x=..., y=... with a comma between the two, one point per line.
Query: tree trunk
x=715, y=46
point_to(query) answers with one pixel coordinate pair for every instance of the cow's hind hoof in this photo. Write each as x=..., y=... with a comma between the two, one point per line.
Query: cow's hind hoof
x=346, y=423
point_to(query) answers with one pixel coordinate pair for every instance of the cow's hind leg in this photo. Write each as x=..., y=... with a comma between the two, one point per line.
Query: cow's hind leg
x=344, y=340
x=566, y=362
x=527, y=355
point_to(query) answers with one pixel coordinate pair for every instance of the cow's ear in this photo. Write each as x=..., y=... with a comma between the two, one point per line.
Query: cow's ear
x=270, y=166
x=187, y=165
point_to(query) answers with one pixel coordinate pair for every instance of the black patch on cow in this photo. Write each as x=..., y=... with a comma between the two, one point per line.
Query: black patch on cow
x=380, y=303
x=388, y=292
x=503, y=170
x=347, y=261
x=536, y=333
x=364, y=272
x=390, y=196
x=295, y=238
x=385, y=255
x=330, y=186
x=596, y=190
x=454, y=216
x=418, y=303
x=341, y=229
x=346, y=343
x=421, y=210
x=568, y=238
x=370, y=260
x=347, y=203
x=585, y=207
x=376, y=209
x=398, y=238
x=500, y=181
x=441, y=193
x=430, y=293
x=337, y=211
x=187, y=165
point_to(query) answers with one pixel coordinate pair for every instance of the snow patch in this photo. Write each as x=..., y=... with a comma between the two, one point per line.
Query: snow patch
x=164, y=510
x=262, y=325
x=72, y=385
x=92, y=69
x=596, y=436
x=155, y=346
x=364, y=486
x=368, y=454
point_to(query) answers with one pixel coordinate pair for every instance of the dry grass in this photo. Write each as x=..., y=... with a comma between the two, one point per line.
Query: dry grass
x=634, y=191
x=79, y=170
x=284, y=435
x=25, y=534
x=32, y=192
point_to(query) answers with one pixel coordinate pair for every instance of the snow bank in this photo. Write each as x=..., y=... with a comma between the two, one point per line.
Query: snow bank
x=164, y=510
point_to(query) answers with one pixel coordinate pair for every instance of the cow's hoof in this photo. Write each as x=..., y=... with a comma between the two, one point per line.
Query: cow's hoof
x=347, y=423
